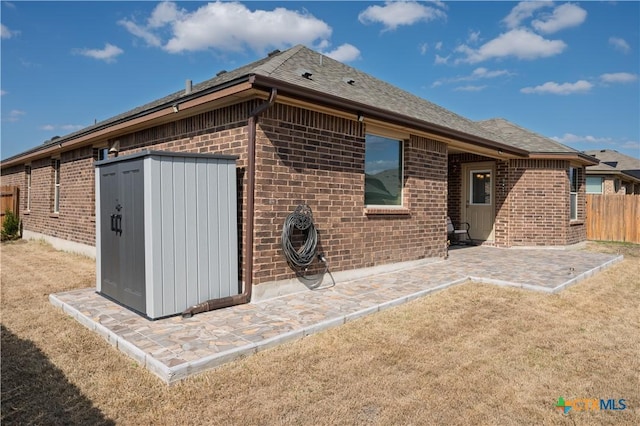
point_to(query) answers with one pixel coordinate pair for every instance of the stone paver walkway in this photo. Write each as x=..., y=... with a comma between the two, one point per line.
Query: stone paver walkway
x=175, y=348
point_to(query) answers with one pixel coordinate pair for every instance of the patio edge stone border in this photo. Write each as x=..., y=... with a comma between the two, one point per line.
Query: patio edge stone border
x=182, y=369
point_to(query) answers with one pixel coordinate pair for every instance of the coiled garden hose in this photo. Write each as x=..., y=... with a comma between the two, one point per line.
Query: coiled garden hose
x=301, y=219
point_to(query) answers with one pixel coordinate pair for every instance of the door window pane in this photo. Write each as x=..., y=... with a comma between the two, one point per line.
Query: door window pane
x=480, y=187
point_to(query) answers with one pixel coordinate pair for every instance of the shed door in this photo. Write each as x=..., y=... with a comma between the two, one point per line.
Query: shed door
x=110, y=244
x=122, y=233
x=478, y=200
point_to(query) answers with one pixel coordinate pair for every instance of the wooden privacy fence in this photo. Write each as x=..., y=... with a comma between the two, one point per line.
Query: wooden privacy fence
x=613, y=217
x=9, y=200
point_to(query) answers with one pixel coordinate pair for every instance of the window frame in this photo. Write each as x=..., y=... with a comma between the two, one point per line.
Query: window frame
x=573, y=193
x=27, y=184
x=601, y=184
x=471, y=193
x=56, y=185
x=401, y=143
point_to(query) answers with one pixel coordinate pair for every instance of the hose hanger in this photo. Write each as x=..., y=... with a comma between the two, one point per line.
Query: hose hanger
x=302, y=220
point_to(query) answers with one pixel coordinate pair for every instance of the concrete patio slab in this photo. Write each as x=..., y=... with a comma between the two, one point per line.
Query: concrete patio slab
x=176, y=348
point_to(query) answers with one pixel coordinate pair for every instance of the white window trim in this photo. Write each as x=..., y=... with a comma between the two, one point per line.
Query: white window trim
x=471, y=172
x=573, y=195
x=56, y=185
x=28, y=184
x=390, y=206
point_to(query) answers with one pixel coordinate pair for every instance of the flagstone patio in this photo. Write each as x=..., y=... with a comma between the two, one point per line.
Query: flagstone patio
x=175, y=348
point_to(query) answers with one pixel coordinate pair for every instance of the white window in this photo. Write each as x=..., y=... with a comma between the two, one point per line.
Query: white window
x=594, y=185
x=27, y=172
x=573, y=193
x=56, y=186
x=383, y=168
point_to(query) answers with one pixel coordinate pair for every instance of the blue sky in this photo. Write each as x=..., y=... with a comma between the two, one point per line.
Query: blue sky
x=566, y=70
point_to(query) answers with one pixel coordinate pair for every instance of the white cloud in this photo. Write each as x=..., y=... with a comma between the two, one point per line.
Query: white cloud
x=423, y=48
x=66, y=127
x=632, y=145
x=581, y=86
x=228, y=26
x=470, y=88
x=571, y=138
x=477, y=74
x=165, y=13
x=441, y=59
x=619, y=44
x=564, y=16
x=138, y=31
x=3, y=92
x=619, y=77
x=6, y=33
x=108, y=54
x=71, y=127
x=474, y=37
x=524, y=10
x=344, y=53
x=521, y=43
x=396, y=13
x=439, y=45
x=14, y=115
x=485, y=73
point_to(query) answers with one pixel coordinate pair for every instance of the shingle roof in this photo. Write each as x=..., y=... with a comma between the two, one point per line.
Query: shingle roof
x=328, y=76
x=334, y=78
x=611, y=161
x=331, y=77
x=512, y=134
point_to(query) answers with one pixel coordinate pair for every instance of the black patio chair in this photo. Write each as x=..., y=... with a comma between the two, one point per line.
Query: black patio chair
x=455, y=232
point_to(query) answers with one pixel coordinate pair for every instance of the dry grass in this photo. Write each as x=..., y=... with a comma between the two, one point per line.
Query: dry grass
x=472, y=354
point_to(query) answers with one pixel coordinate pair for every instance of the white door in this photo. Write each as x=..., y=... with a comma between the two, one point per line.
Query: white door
x=478, y=205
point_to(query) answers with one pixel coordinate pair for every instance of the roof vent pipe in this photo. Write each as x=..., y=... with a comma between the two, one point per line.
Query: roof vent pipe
x=188, y=87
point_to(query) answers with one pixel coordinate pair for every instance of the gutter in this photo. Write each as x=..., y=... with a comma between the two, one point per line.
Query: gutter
x=583, y=158
x=245, y=297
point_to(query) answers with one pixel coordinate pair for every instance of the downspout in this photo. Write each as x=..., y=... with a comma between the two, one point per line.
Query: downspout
x=245, y=297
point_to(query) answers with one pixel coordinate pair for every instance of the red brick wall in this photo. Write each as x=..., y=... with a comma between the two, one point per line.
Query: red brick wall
x=502, y=189
x=75, y=221
x=313, y=158
x=539, y=204
x=532, y=201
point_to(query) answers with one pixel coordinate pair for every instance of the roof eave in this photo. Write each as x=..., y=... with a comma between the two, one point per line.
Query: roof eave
x=367, y=110
x=82, y=137
x=576, y=157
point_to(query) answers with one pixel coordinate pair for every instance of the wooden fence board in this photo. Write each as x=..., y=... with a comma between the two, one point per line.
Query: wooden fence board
x=613, y=218
x=9, y=200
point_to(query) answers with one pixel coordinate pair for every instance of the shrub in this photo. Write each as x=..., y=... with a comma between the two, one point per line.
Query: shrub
x=10, y=226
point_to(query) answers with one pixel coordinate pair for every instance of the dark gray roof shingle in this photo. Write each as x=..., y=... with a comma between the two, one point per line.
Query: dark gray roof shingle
x=331, y=77
x=611, y=160
x=514, y=135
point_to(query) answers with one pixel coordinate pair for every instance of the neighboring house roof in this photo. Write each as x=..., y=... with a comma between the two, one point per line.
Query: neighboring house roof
x=336, y=84
x=612, y=162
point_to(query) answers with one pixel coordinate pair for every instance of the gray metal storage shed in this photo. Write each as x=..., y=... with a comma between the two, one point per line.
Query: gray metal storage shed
x=166, y=230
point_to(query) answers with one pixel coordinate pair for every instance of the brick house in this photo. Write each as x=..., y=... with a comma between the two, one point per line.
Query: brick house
x=380, y=168
x=615, y=174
